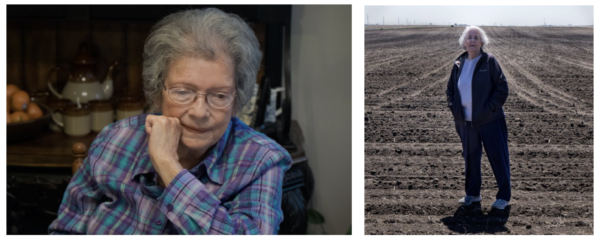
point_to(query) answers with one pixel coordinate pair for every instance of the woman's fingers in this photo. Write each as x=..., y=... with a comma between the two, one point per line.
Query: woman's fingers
x=162, y=122
x=167, y=127
x=164, y=134
x=148, y=125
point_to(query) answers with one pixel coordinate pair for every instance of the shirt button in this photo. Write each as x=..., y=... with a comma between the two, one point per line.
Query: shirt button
x=158, y=222
x=170, y=207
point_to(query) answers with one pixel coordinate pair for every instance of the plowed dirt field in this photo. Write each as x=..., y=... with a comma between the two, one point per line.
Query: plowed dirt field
x=414, y=170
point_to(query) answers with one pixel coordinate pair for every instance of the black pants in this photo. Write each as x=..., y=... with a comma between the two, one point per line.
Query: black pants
x=494, y=137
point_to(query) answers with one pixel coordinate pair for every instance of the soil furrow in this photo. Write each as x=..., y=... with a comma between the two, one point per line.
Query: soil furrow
x=540, y=84
x=413, y=80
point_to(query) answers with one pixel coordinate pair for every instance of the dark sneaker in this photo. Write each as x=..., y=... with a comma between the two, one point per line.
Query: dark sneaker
x=500, y=204
x=467, y=200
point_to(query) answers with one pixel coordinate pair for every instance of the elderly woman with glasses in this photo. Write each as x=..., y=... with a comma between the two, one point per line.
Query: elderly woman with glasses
x=195, y=169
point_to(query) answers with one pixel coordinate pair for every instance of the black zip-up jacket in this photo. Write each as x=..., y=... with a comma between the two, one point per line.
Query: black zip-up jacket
x=489, y=90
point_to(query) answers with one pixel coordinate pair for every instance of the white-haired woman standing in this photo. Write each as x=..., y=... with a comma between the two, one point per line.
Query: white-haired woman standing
x=476, y=91
x=195, y=169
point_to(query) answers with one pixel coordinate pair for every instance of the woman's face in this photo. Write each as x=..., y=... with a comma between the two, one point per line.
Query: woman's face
x=202, y=124
x=473, y=40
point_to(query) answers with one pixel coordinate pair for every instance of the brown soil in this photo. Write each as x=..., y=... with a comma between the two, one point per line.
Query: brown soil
x=414, y=171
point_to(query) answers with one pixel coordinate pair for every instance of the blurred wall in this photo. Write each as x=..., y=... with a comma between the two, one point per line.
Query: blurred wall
x=321, y=78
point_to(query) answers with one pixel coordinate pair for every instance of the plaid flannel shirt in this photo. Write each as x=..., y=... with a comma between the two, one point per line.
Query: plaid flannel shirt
x=237, y=189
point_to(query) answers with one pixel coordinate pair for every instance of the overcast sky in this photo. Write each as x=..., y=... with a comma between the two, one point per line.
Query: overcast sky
x=481, y=15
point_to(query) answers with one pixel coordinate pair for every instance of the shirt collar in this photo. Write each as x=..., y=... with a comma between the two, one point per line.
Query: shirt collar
x=212, y=162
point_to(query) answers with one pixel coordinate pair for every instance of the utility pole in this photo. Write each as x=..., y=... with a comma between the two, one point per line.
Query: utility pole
x=383, y=20
x=398, y=21
x=414, y=22
x=367, y=19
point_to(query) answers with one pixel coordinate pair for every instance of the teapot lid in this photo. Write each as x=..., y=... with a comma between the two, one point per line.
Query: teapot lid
x=84, y=57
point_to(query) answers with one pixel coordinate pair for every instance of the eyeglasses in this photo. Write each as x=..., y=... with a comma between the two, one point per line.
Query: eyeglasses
x=185, y=96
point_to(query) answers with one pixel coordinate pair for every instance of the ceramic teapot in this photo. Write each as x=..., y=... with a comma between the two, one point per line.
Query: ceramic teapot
x=82, y=85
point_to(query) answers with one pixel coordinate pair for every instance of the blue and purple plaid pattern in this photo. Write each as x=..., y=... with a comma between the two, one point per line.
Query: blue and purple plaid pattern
x=235, y=190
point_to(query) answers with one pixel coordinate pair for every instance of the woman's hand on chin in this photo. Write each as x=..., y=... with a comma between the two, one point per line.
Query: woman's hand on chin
x=164, y=134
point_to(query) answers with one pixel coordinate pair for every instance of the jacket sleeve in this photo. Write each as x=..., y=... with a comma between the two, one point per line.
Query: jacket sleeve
x=450, y=88
x=256, y=209
x=500, y=91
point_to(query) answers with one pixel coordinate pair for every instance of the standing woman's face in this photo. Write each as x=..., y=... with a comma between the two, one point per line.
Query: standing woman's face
x=473, y=40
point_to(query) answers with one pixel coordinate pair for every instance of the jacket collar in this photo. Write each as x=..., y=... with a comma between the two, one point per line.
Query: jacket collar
x=461, y=58
x=212, y=163
x=465, y=54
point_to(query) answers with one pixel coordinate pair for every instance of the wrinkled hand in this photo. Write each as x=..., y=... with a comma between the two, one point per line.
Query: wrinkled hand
x=164, y=135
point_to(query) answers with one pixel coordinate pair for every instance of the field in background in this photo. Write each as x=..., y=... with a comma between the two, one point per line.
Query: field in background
x=414, y=171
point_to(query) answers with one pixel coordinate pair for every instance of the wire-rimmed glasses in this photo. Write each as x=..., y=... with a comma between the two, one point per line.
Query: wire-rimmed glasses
x=185, y=96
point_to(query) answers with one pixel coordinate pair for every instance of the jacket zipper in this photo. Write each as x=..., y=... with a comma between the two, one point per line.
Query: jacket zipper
x=466, y=58
x=473, y=82
x=458, y=91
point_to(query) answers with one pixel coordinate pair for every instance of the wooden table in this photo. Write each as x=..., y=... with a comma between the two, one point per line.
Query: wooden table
x=42, y=166
x=48, y=149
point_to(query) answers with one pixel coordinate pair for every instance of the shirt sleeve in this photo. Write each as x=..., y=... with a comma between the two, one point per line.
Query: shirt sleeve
x=79, y=202
x=83, y=194
x=255, y=209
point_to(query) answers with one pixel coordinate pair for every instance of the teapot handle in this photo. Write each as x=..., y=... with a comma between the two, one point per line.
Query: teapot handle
x=107, y=84
x=110, y=70
x=55, y=118
x=50, y=84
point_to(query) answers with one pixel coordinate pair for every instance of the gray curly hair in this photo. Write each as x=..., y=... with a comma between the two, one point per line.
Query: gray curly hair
x=200, y=33
x=484, y=38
